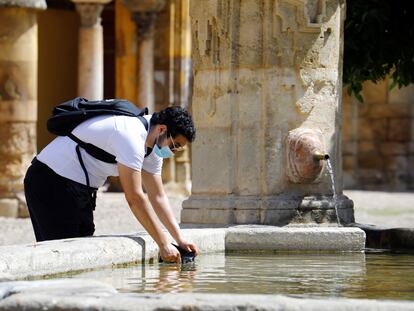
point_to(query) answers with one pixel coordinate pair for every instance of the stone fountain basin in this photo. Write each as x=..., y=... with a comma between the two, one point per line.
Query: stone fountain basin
x=60, y=256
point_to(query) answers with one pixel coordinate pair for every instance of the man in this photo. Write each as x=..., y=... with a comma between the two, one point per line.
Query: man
x=60, y=185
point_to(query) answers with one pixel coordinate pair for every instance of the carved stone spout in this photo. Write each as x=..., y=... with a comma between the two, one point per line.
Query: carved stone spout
x=305, y=155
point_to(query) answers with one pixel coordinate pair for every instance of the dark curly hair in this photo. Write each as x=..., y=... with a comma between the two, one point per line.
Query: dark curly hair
x=177, y=120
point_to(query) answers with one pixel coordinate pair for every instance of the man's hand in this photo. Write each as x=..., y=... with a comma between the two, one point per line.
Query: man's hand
x=189, y=247
x=169, y=253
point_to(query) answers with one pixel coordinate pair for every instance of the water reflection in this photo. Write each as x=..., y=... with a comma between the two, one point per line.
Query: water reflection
x=355, y=275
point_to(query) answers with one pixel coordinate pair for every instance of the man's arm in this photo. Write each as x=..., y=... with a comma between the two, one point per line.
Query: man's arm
x=159, y=201
x=131, y=183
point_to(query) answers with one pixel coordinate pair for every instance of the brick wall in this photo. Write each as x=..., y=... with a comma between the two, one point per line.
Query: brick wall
x=378, y=140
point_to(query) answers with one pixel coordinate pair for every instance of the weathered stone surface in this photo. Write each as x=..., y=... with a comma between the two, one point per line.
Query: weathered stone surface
x=30, y=4
x=397, y=163
x=9, y=207
x=55, y=287
x=387, y=238
x=350, y=147
x=365, y=147
x=393, y=149
x=385, y=131
x=16, y=151
x=370, y=161
x=70, y=295
x=371, y=176
x=261, y=70
x=375, y=93
x=291, y=238
x=19, y=261
x=400, y=110
x=349, y=162
x=411, y=147
x=18, y=93
x=257, y=210
x=72, y=254
x=400, y=129
x=144, y=5
x=401, y=96
x=372, y=129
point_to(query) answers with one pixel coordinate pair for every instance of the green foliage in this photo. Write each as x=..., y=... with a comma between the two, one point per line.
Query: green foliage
x=379, y=40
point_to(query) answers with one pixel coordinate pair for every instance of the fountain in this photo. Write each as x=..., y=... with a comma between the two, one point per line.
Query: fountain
x=306, y=159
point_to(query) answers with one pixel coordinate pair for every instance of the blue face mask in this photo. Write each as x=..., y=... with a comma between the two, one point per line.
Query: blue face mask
x=163, y=152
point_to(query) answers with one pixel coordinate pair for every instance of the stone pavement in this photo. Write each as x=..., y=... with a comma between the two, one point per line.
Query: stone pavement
x=112, y=215
x=385, y=209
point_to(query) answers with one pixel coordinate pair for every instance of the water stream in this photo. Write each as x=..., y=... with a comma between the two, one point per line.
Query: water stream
x=335, y=197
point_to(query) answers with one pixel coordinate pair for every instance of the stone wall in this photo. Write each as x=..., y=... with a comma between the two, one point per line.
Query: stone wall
x=378, y=140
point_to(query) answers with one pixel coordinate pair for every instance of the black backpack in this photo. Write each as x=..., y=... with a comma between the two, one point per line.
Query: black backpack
x=66, y=116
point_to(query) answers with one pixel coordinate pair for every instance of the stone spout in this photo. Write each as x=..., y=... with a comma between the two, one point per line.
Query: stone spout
x=305, y=155
x=321, y=156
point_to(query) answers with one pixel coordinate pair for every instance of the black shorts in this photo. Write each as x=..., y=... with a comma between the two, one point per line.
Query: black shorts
x=59, y=207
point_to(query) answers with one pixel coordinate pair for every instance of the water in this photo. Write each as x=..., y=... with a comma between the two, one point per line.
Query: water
x=335, y=198
x=351, y=275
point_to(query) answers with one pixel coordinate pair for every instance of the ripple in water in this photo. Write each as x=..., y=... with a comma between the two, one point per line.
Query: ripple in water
x=352, y=275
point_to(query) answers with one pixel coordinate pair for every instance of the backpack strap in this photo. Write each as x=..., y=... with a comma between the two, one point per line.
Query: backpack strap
x=142, y=119
x=94, y=151
x=82, y=165
x=99, y=153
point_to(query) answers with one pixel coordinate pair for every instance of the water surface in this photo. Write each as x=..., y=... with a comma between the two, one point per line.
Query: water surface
x=351, y=275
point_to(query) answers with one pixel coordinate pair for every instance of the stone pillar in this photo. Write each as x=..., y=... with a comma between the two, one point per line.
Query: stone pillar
x=143, y=14
x=18, y=99
x=263, y=71
x=90, y=68
x=176, y=174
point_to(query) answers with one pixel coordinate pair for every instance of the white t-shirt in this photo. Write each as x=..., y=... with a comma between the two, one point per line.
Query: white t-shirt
x=122, y=136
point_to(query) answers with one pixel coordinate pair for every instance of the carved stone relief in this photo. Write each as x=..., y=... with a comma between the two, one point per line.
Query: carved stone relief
x=303, y=16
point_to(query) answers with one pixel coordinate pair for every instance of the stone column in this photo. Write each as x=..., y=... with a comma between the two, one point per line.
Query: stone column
x=143, y=14
x=90, y=68
x=18, y=99
x=266, y=101
x=177, y=175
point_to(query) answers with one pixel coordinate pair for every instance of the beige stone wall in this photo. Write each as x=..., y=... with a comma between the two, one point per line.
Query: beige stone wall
x=378, y=140
x=58, y=65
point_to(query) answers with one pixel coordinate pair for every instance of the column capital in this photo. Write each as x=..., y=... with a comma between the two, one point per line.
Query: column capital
x=28, y=4
x=145, y=24
x=144, y=5
x=90, y=11
x=103, y=2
